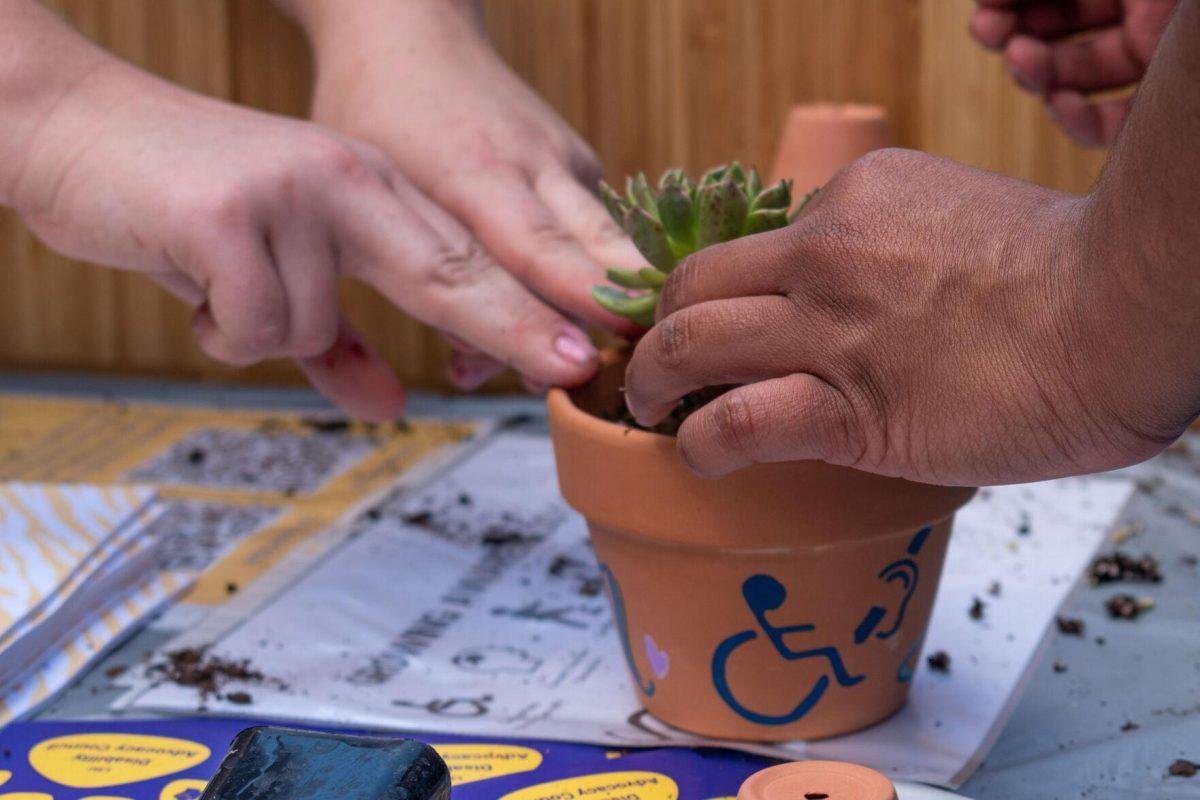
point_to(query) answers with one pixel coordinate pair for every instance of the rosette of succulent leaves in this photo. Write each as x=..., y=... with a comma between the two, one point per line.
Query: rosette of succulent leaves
x=678, y=218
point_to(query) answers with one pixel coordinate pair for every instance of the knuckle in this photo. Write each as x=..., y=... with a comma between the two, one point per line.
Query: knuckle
x=549, y=236
x=334, y=158
x=224, y=210
x=872, y=175
x=459, y=268
x=734, y=422
x=675, y=338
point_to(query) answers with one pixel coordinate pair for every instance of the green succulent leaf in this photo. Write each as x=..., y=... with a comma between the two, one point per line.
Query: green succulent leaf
x=672, y=177
x=613, y=203
x=765, y=219
x=649, y=238
x=778, y=196
x=677, y=217
x=712, y=176
x=653, y=278
x=753, y=184
x=641, y=195
x=630, y=278
x=675, y=213
x=720, y=213
x=637, y=308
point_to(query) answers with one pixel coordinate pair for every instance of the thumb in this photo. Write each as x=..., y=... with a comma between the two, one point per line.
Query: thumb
x=355, y=377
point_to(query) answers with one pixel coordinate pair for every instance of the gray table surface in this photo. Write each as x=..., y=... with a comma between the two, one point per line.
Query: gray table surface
x=1069, y=736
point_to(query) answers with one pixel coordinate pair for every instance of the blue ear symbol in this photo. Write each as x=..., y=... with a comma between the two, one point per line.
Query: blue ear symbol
x=905, y=572
x=914, y=547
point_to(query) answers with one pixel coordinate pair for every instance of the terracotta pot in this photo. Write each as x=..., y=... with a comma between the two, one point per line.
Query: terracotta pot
x=784, y=601
x=835, y=780
x=818, y=139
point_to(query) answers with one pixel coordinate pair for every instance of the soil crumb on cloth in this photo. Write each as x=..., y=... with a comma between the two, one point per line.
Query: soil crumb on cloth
x=190, y=666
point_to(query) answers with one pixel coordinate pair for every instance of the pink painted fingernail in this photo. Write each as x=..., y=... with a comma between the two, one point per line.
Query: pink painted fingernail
x=468, y=377
x=573, y=345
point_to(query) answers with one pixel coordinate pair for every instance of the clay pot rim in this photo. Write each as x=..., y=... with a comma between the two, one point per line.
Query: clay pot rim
x=788, y=550
x=559, y=400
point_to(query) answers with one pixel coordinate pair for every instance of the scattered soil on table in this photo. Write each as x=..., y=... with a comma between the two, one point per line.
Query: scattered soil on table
x=335, y=425
x=501, y=535
x=1059, y=666
x=115, y=671
x=939, y=661
x=1129, y=726
x=422, y=519
x=670, y=425
x=1119, y=566
x=1182, y=768
x=978, y=607
x=231, y=588
x=240, y=698
x=189, y=666
x=1190, y=560
x=1126, y=606
x=816, y=796
x=1069, y=626
x=564, y=566
x=994, y=589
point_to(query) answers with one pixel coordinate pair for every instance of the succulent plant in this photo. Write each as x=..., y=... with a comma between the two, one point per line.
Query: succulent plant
x=680, y=218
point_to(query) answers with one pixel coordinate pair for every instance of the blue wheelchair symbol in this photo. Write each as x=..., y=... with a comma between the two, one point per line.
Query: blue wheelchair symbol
x=764, y=593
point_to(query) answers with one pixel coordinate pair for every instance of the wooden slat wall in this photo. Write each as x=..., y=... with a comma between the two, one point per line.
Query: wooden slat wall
x=650, y=83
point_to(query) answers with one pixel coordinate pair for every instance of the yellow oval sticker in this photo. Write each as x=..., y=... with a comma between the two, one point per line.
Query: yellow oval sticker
x=605, y=786
x=183, y=789
x=4, y=776
x=26, y=796
x=103, y=797
x=92, y=760
x=469, y=763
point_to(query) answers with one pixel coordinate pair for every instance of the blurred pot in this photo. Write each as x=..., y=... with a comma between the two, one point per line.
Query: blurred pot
x=818, y=139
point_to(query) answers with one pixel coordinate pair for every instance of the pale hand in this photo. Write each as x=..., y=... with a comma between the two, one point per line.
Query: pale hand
x=252, y=218
x=420, y=81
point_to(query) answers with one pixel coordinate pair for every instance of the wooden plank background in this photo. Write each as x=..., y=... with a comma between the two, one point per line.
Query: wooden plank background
x=650, y=83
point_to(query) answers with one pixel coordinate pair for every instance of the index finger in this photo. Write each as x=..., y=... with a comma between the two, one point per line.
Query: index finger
x=441, y=276
x=752, y=265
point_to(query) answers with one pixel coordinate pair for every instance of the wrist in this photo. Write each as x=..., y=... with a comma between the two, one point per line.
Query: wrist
x=1144, y=331
x=361, y=29
x=42, y=65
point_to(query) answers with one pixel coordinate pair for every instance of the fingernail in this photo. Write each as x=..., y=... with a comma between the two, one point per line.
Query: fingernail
x=573, y=345
x=466, y=377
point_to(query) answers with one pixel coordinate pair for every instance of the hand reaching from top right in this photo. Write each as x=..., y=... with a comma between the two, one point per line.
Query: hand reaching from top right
x=1067, y=50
